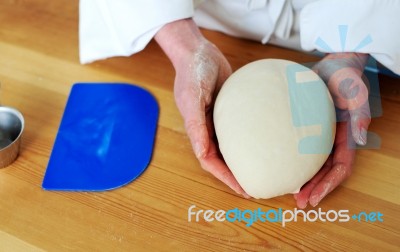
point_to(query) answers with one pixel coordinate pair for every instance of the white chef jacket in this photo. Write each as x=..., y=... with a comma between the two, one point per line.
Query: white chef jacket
x=124, y=27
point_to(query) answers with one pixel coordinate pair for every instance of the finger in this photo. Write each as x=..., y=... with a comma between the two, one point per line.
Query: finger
x=352, y=94
x=207, y=154
x=213, y=164
x=360, y=120
x=358, y=107
x=304, y=194
x=342, y=162
x=333, y=179
x=200, y=130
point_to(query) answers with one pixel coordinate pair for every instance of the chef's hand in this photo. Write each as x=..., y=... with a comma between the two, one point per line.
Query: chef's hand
x=200, y=69
x=342, y=72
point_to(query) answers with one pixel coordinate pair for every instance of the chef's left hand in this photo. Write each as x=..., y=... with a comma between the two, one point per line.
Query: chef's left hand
x=342, y=72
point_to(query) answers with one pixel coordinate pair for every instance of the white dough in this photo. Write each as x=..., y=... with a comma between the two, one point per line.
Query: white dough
x=272, y=148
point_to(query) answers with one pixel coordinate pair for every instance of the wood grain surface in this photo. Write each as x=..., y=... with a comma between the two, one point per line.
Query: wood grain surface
x=39, y=64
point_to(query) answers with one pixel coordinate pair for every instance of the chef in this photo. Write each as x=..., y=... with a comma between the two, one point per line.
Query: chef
x=347, y=32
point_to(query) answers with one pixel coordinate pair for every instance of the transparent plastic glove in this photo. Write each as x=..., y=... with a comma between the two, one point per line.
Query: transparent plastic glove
x=201, y=69
x=342, y=72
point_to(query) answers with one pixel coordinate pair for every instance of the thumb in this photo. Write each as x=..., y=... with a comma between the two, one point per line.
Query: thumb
x=196, y=129
x=355, y=93
x=193, y=113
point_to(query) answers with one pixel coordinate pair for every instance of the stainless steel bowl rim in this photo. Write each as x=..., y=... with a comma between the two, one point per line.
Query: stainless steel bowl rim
x=20, y=117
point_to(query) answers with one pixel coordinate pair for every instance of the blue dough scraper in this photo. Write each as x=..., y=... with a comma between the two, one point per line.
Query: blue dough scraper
x=105, y=139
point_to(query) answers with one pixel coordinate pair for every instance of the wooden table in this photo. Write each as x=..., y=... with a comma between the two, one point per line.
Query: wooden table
x=38, y=65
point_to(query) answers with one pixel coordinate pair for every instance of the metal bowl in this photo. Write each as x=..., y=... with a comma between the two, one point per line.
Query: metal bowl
x=11, y=128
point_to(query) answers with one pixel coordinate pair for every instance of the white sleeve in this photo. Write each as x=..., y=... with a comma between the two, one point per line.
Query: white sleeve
x=123, y=27
x=365, y=26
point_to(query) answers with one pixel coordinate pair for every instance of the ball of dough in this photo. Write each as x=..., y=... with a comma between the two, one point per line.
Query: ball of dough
x=275, y=124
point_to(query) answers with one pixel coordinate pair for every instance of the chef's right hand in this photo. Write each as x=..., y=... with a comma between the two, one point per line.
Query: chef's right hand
x=201, y=69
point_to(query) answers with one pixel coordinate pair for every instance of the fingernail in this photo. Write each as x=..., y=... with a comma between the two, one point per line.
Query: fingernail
x=362, y=140
x=302, y=206
x=314, y=204
x=314, y=200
